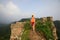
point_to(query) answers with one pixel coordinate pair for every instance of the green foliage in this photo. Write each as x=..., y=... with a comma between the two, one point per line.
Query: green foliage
x=27, y=26
x=25, y=35
x=44, y=27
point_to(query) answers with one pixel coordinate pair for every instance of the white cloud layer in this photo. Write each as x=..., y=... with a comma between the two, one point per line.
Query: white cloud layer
x=9, y=12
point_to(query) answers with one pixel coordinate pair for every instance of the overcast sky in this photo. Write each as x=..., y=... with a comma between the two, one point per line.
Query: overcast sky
x=14, y=10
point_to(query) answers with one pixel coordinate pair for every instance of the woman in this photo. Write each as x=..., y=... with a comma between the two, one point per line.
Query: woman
x=33, y=22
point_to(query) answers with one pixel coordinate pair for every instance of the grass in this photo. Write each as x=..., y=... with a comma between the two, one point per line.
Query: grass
x=25, y=35
x=45, y=28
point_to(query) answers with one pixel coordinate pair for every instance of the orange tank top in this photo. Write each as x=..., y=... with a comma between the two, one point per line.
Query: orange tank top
x=33, y=19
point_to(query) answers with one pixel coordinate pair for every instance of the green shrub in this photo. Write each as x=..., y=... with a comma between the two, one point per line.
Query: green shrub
x=27, y=26
x=25, y=35
x=44, y=27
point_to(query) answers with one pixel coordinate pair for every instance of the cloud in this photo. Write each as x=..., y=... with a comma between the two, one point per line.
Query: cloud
x=9, y=12
x=12, y=8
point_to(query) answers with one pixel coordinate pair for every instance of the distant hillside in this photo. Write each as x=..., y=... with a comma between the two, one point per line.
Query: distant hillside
x=57, y=24
x=5, y=31
x=27, y=19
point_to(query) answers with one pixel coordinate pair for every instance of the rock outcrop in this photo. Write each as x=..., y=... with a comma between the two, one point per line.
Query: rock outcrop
x=52, y=27
x=18, y=28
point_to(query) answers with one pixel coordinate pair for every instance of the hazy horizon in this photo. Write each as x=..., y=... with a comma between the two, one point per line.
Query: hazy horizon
x=14, y=10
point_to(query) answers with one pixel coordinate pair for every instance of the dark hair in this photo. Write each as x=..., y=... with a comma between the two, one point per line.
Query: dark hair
x=32, y=15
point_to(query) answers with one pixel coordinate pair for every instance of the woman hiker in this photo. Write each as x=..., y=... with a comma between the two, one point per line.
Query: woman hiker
x=33, y=22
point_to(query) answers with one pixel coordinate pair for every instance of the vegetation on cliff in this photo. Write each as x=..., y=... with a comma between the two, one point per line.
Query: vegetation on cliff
x=44, y=27
x=26, y=31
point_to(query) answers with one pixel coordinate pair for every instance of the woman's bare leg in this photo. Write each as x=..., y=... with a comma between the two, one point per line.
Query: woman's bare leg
x=34, y=27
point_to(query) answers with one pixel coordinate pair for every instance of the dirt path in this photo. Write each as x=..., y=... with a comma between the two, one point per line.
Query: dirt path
x=34, y=36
